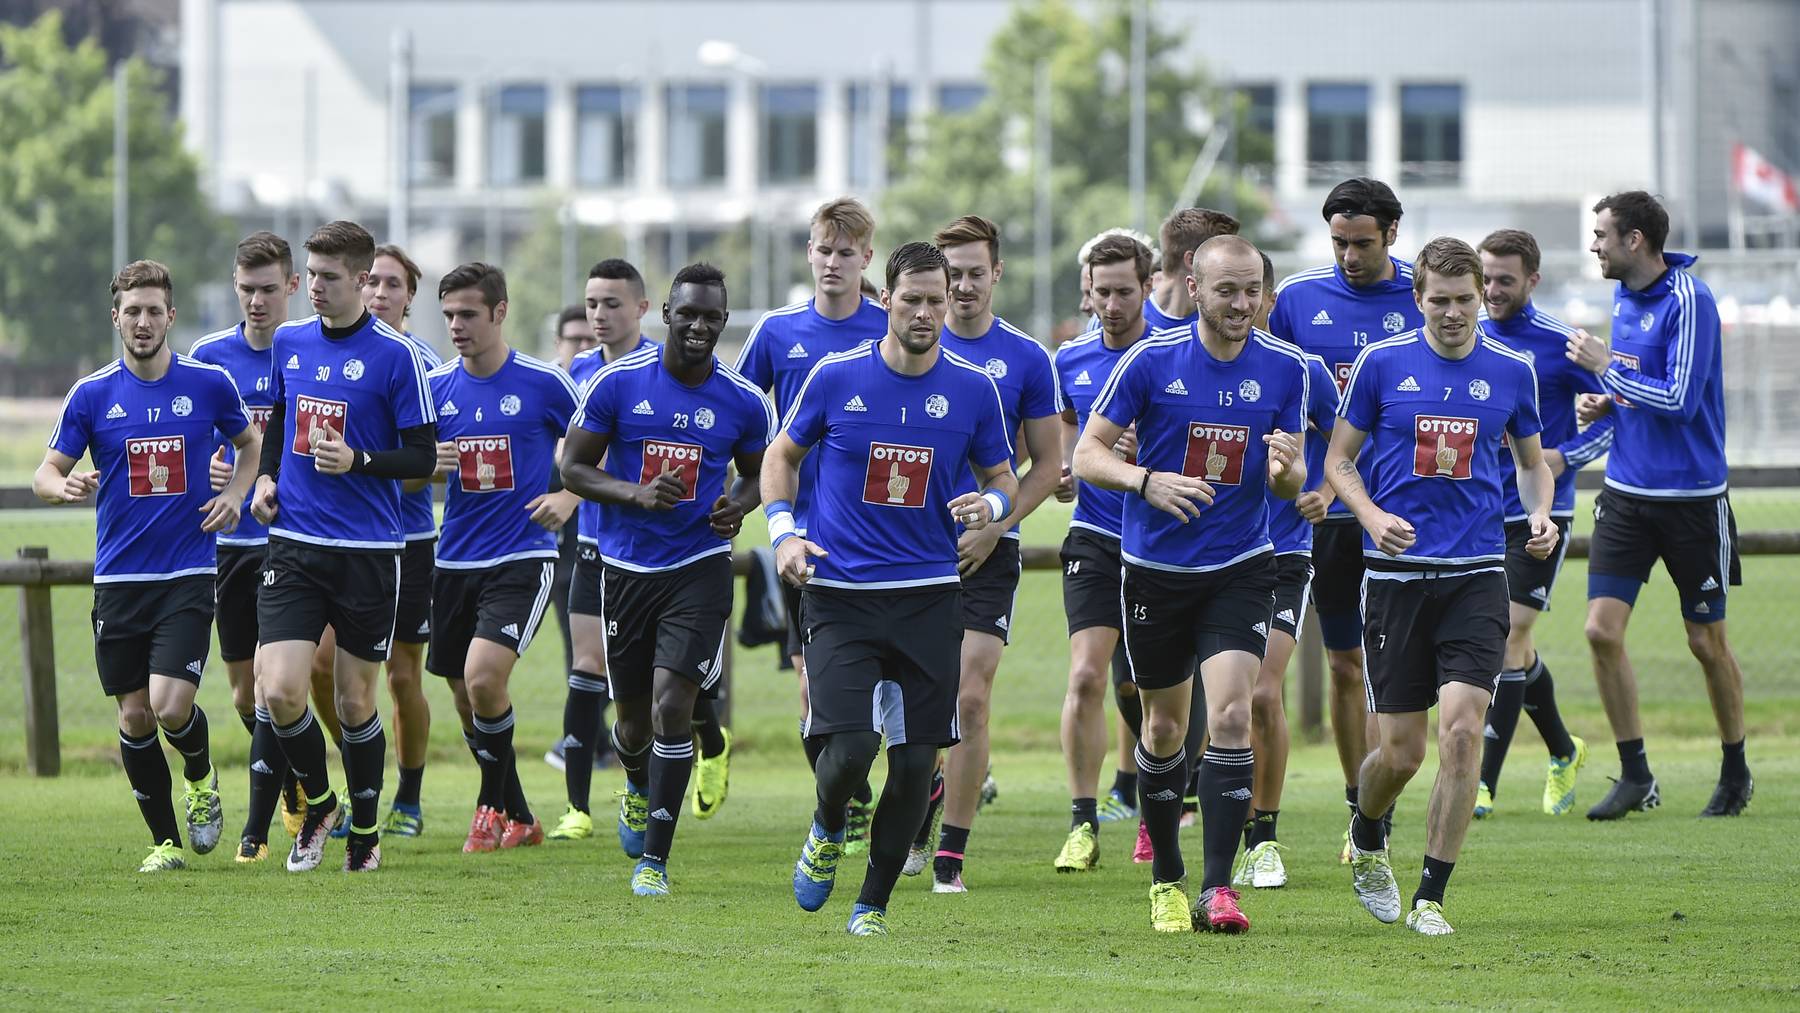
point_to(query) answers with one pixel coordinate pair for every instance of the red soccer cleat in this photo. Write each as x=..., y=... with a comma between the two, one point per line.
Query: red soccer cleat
x=484, y=830
x=1143, y=854
x=522, y=835
x=1218, y=912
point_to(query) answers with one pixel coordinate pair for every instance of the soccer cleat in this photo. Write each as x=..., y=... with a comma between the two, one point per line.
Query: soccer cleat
x=1262, y=867
x=1484, y=799
x=990, y=790
x=917, y=857
x=485, y=829
x=1626, y=796
x=575, y=825
x=164, y=857
x=404, y=821
x=554, y=757
x=1080, y=851
x=514, y=834
x=712, y=780
x=650, y=879
x=1217, y=911
x=205, y=813
x=1115, y=808
x=1169, y=908
x=947, y=881
x=867, y=921
x=816, y=871
x=363, y=853
x=919, y=854
x=1143, y=853
x=1559, y=782
x=1427, y=919
x=1372, y=877
x=309, y=843
x=1730, y=798
x=293, y=806
x=250, y=851
x=859, y=816
x=342, y=830
x=634, y=819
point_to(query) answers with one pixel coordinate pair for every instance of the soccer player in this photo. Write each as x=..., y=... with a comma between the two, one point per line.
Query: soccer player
x=894, y=425
x=500, y=413
x=782, y=349
x=572, y=336
x=1432, y=405
x=1334, y=312
x=1665, y=494
x=1509, y=262
x=988, y=557
x=614, y=307
x=1218, y=406
x=1170, y=304
x=652, y=444
x=263, y=278
x=150, y=419
x=354, y=418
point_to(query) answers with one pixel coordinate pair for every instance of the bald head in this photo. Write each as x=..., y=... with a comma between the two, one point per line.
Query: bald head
x=1227, y=287
x=1220, y=251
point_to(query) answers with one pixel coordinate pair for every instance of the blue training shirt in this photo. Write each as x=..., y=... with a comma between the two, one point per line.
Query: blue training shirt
x=418, y=517
x=1288, y=529
x=582, y=369
x=250, y=369
x=782, y=350
x=1083, y=365
x=1157, y=320
x=1023, y=373
x=1205, y=418
x=893, y=450
x=150, y=441
x=656, y=424
x=1543, y=339
x=1434, y=428
x=368, y=386
x=505, y=428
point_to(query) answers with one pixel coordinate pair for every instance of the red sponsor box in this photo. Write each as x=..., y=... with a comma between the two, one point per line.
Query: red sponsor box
x=157, y=465
x=259, y=416
x=1342, y=372
x=679, y=459
x=1444, y=446
x=484, y=463
x=1215, y=452
x=311, y=415
x=1629, y=361
x=898, y=475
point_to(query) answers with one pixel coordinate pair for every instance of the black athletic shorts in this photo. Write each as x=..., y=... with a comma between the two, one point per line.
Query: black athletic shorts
x=1337, y=562
x=1529, y=580
x=1696, y=539
x=988, y=594
x=790, y=603
x=674, y=619
x=234, y=599
x=1090, y=579
x=308, y=587
x=412, y=615
x=1293, y=579
x=1176, y=618
x=1422, y=630
x=885, y=661
x=584, y=582
x=152, y=628
x=502, y=603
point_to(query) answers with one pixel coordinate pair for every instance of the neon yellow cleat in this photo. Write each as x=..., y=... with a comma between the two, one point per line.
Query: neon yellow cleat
x=164, y=857
x=1427, y=919
x=1080, y=852
x=712, y=780
x=1484, y=799
x=1169, y=911
x=575, y=825
x=1559, y=782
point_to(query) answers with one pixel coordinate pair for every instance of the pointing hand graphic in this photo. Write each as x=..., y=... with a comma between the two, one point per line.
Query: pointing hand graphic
x=1446, y=458
x=897, y=483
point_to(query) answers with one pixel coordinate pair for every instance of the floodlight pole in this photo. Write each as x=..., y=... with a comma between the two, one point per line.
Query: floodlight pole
x=1040, y=229
x=1139, y=55
x=121, y=236
x=399, y=137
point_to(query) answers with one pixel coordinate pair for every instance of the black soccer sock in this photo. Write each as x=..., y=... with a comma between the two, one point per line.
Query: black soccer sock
x=933, y=802
x=1540, y=703
x=1131, y=708
x=1084, y=810
x=905, y=798
x=1194, y=744
x=844, y=763
x=1160, y=781
x=707, y=728
x=365, y=762
x=1634, y=763
x=636, y=765
x=268, y=769
x=191, y=743
x=303, y=745
x=406, y=789
x=474, y=748
x=671, y=766
x=1433, y=880
x=249, y=721
x=1225, y=777
x=1502, y=721
x=581, y=735
x=147, y=771
x=1125, y=785
x=493, y=740
x=1350, y=793
x=1365, y=831
x=953, y=844
x=1734, y=767
x=517, y=808
x=1262, y=827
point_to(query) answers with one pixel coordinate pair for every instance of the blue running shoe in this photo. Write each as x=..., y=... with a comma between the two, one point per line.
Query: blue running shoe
x=816, y=871
x=650, y=879
x=634, y=819
x=1115, y=808
x=866, y=920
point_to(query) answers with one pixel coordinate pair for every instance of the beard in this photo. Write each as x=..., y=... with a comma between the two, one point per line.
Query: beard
x=1219, y=325
x=125, y=340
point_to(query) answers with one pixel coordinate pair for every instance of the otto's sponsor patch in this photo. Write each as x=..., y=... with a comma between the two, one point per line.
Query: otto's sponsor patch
x=1342, y=372
x=668, y=457
x=259, y=416
x=1215, y=453
x=1629, y=361
x=1444, y=446
x=311, y=416
x=157, y=465
x=484, y=463
x=898, y=475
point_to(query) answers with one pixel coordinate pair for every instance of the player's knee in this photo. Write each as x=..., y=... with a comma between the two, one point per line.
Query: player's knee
x=1707, y=642
x=137, y=719
x=403, y=681
x=1403, y=756
x=672, y=713
x=1346, y=669
x=1087, y=682
x=1604, y=636
x=1125, y=690
x=972, y=708
x=911, y=764
x=1163, y=733
x=1460, y=734
x=1229, y=721
x=1266, y=705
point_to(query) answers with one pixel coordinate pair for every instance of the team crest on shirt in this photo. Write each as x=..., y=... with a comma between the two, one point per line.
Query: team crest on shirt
x=311, y=415
x=996, y=368
x=157, y=465
x=1647, y=322
x=937, y=406
x=1250, y=390
x=1444, y=446
x=484, y=463
x=704, y=418
x=668, y=457
x=353, y=369
x=509, y=405
x=1392, y=323
x=1215, y=452
x=183, y=406
x=1479, y=390
x=898, y=475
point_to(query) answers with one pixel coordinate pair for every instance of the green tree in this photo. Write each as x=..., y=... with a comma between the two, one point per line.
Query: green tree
x=56, y=193
x=535, y=275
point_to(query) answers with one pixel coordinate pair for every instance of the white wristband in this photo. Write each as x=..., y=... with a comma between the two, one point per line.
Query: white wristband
x=997, y=506
x=781, y=524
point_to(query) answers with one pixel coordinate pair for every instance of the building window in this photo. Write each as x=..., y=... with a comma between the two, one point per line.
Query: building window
x=516, y=135
x=696, y=133
x=790, y=132
x=1337, y=131
x=1253, y=127
x=960, y=98
x=605, y=135
x=1431, y=134
x=866, y=140
x=432, y=133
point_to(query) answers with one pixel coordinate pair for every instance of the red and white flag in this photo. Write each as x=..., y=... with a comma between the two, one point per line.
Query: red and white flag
x=1758, y=179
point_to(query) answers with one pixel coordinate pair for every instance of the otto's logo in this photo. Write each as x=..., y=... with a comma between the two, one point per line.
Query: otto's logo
x=1342, y=372
x=1215, y=453
x=1392, y=323
x=666, y=457
x=259, y=416
x=1444, y=446
x=311, y=416
x=157, y=465
x=898, y=475
x=484, y=463
x=1630, y=362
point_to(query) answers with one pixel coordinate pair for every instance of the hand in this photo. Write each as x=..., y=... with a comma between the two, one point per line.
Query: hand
x=1588, y=352
x=1558, y=464
x=448, y=460
x=263, y=505
x=1591, y=408
x=726, y=518
x=485, y=472
x=222, y=514
x=1392, y=535
x=331, y=455
x=793, y=559
x=663, y=491
x=1313, y=505
x=1446, y=458
x=1126, y=446
x=1065, y=486
x=972, y=511
x=78, y=486
x=1176, y=494
x=974, y=546
x=1544, y=535
x=159, y=475
x=1284, y=450
x=1215, y=462
x=219, y=471
x=897, y=484
x=552, y=510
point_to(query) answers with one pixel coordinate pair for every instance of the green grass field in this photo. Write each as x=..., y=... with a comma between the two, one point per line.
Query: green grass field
x=1660, y=910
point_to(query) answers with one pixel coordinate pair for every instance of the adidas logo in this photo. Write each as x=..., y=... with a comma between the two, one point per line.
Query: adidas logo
x=382, y=647
x=1082, y=379
x=259, y=767
x=1286, y=616
x=1710, y=585
x=570, y=742
x=1261, y=629
x=1003, y=623
x=117, y=411
x=1321, y=318
x=1164, y=795
x=1702, y=609
x=482, y=754
x=662, y=814
x=1540, y=593
x=1410, y=384
x=855, y=404
x=1176, y=387
x=293, y=361
x=425, y=627
x=197, y=666
x=797, y=352
x=1239, y=794
x=706, y=666
x=449, y=408
x=643, y=408
x=140, y=796
x=367, y=793
x=510, y=630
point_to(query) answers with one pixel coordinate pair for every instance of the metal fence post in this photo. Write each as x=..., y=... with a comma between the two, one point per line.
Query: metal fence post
x=37, y=643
